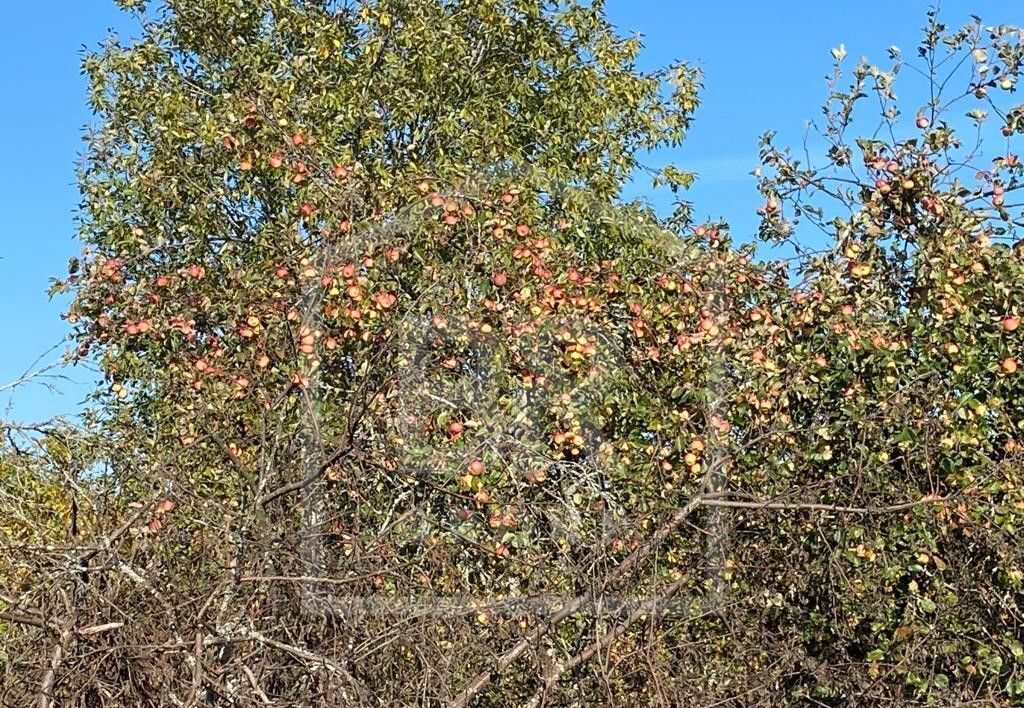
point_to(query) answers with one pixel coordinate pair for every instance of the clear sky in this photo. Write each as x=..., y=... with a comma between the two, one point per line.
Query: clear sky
x=764, y=64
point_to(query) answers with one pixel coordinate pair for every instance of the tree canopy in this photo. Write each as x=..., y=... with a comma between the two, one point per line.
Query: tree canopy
x=405, y=404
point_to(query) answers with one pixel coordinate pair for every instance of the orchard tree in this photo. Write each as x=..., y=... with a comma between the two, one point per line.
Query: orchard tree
x=404, y=405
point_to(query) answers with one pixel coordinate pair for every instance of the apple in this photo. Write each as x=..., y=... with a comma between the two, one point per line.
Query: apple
x=499, y=279
x=922, y=122
x=298, y=139
x=455, y=428
x=1011, y=323
x=276, y=160
x=476, y=468
x=1008, y=365
x=385, y=300
x=708, y=325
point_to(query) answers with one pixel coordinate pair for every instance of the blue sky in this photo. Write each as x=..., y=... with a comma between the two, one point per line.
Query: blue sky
x=764, y=65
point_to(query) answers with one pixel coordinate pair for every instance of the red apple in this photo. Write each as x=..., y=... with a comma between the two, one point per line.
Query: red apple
x=1011, y=323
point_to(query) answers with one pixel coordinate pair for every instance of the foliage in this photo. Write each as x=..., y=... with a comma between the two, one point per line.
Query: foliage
x=404, y=405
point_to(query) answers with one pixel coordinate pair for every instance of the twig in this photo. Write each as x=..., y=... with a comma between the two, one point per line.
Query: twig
x=714, y=500
x=305, y=655
x=50, y=675
x=646, y=608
